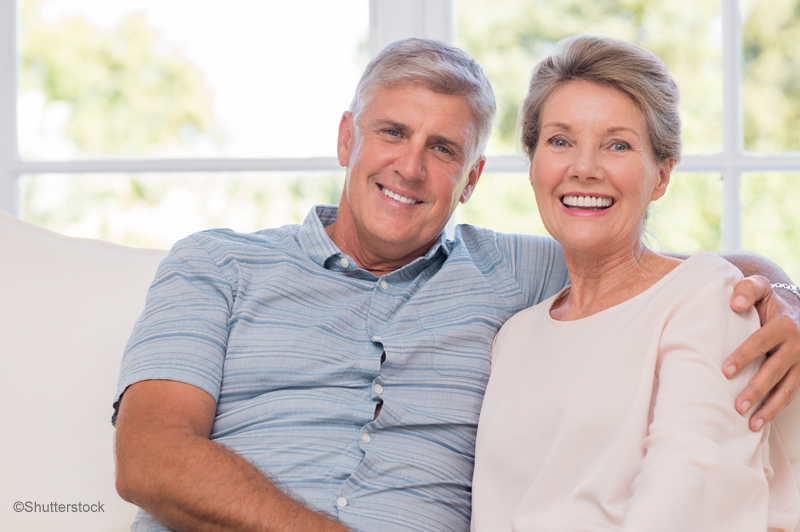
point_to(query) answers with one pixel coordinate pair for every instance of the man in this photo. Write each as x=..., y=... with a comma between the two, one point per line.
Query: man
x=329, y=376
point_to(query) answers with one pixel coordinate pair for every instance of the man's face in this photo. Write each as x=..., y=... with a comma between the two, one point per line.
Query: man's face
x=409, y=162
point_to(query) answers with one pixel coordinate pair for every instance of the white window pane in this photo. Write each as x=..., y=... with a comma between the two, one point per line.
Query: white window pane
x=771, y=218
x=509, y=38
x=155, y=210
x=163, y=78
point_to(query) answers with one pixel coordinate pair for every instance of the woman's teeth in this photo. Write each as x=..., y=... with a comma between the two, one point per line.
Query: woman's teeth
x=590, y=202
x=398, y=197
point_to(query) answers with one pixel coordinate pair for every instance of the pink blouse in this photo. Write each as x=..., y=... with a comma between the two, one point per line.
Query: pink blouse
x=623, y=420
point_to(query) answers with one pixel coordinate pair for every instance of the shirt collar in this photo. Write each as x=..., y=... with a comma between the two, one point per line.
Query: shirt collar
x=313, y=238
x=316, y=243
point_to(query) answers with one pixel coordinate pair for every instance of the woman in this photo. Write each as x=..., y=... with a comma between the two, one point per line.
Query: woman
x=606, y=408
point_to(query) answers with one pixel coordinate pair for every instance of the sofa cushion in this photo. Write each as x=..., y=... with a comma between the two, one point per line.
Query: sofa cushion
x=67, y=307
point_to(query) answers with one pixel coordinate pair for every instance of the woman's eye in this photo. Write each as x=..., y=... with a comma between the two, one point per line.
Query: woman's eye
x=620, y=146
x=558, y=143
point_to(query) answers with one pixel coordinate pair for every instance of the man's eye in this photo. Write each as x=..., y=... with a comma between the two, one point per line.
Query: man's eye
x=443, y=150
x=392, y=132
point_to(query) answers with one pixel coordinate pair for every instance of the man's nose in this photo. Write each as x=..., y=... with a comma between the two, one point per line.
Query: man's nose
x=410, y=162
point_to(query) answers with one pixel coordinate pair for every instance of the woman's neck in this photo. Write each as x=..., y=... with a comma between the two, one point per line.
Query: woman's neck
x=601, y=281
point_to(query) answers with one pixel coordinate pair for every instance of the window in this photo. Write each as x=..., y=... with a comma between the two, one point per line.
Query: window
x=738, y=68
x=136, y=129
x=251, y=92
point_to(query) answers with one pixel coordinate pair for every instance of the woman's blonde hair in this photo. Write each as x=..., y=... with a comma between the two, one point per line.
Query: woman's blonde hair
x=624, y=66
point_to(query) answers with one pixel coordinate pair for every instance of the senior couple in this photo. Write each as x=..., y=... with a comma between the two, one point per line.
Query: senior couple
x=329, y=376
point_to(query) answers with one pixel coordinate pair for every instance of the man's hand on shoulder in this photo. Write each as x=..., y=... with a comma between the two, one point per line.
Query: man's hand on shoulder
x=778, y=338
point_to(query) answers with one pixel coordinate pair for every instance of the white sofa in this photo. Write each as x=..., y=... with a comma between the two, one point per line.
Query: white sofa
x=67, y=307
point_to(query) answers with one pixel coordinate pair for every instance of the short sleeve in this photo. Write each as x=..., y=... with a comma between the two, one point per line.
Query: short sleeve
x=537, y=262
x=182, y=333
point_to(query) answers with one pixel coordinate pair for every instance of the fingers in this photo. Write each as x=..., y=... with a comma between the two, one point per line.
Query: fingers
x=778, y=400
x=761, y=342
x=780, y=371
x=748, y=291
x=768, y=376
x=778, y=322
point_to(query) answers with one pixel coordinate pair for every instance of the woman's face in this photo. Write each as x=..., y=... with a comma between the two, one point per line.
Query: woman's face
x=593, y=171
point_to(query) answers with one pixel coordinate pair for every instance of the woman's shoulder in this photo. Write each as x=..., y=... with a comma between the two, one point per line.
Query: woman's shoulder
x=707, y=267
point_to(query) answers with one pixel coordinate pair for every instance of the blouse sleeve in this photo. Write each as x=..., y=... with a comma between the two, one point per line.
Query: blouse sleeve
x=703, y=468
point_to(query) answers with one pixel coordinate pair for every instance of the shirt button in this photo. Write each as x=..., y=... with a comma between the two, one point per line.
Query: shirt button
x=377, y=388
x=365, y=437
x=341, y=502
x=345, y=263
x=384, y=284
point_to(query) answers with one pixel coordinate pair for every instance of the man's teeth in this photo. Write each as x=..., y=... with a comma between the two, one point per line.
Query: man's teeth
x=587, y=201
x=398, y=197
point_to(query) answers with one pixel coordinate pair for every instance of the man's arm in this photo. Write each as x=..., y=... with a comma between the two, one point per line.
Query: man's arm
x=167, y=466
x=779, y=337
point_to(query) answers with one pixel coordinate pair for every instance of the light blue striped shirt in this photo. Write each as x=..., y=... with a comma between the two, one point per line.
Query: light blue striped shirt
x=287, y=333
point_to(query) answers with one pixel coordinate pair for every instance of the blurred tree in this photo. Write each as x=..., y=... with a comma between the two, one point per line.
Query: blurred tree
x=508, y=38
x=125, y=98
x=771, y=75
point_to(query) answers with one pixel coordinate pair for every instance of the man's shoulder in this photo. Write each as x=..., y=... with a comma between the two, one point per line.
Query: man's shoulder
x=231, y=241
x=476, y=237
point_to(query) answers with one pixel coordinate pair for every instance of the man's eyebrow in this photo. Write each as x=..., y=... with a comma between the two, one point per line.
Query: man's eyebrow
x=454, y=146
x=382, y=123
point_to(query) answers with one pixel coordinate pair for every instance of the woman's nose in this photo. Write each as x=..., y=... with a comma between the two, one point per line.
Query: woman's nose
x=586, y=164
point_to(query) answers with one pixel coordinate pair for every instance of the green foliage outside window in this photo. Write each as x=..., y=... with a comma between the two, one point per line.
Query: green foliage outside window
x=124, y=97
x=508, y=38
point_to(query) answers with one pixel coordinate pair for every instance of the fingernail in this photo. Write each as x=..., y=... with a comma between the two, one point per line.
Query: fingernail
x=740, y=301
x=729, y=370
x=759, y=423
x=745, y=406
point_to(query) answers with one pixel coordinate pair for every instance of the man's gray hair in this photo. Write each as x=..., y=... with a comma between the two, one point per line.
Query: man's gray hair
x=437, y=67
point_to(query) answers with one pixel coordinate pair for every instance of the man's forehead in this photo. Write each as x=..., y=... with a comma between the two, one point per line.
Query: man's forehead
x=406, y=105
x=401, y=94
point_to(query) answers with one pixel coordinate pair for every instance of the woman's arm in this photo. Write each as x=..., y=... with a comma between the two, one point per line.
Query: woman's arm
x=703, y=468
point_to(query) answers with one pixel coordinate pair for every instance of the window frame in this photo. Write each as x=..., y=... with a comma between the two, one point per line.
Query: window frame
x=391, y=20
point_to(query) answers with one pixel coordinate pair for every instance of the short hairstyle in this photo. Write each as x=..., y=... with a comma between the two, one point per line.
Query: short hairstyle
x=437, y=67
x=624, y=66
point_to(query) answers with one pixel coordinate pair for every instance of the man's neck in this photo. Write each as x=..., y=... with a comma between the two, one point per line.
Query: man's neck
x=377, y=264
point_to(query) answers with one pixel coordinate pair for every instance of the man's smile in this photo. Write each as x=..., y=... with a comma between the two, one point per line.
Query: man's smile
x=398, y=197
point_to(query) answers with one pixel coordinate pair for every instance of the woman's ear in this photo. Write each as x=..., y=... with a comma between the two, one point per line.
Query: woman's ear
x=664, y=175
x=531, y=177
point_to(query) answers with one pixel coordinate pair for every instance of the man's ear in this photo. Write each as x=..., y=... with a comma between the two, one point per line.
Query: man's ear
x=472, y=180
x=664, y=175
x=346, y=136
